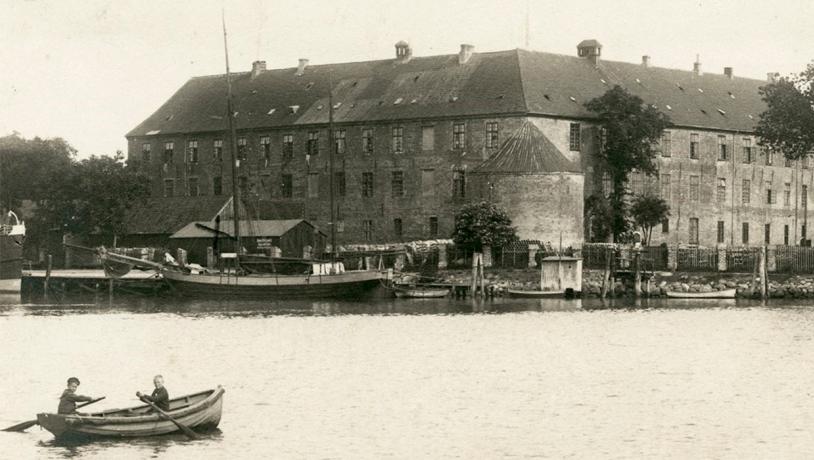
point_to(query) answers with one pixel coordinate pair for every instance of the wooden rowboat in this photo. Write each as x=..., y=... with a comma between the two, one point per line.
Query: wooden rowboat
x=199, y=411
x=725, y=294
x=535, y=294
x=420, y=292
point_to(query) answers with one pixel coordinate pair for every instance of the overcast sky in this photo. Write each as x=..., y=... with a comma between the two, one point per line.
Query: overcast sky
x=91, y=70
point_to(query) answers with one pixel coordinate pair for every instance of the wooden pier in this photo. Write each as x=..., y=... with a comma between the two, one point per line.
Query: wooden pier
x=45, y=284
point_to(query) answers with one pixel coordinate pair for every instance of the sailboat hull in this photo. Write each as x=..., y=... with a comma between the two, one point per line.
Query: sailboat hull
x=353, y=284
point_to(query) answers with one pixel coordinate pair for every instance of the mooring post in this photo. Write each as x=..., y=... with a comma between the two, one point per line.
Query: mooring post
x=481, y=276
x=474, y=281
x=637, y=283
x=761, y=270
x=47, y=275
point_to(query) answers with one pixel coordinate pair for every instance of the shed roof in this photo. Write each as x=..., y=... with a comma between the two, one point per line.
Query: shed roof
x=167, y=215
x=527, y=150
x=517, y=82
x=251, y=228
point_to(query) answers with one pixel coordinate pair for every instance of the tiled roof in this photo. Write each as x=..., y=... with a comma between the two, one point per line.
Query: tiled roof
x=168, y=215
x=527, y=151
x=493, y=83
x=260, y=228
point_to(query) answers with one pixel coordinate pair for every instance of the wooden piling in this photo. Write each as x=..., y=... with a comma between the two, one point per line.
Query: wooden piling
x=606, y=274
x=47, y=275
x=637, y=280
x=761, y=270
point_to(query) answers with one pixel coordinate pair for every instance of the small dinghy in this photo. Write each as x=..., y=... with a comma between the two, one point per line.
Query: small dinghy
x=420, y=292
x=725, y=294
x=535, y=294
x=199, y=411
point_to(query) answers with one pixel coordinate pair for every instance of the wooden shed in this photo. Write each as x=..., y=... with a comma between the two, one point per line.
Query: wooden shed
x=294, y=238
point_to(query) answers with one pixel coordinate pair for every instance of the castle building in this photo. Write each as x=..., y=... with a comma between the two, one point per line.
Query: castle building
x=417, y=137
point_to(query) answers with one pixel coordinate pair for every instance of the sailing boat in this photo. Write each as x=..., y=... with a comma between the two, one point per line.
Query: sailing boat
x=316, y=279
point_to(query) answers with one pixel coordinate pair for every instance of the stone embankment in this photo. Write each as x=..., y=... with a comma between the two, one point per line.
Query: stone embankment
x=780, y=285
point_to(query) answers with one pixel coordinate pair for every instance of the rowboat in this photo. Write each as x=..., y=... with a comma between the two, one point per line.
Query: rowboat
x=199, y=411
x=725, y=294
x=420, y=292
x=535, y=294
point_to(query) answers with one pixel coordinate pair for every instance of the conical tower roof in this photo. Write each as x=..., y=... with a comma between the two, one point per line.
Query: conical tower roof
x=527, y=151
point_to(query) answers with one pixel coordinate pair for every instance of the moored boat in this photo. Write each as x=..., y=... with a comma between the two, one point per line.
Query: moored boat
x=420, y=292
x=199, y=411
x=535, y=294
x=12, y=235
x=725, y=294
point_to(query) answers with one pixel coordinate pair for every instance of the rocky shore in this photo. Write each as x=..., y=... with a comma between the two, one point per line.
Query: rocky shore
x=780, y=285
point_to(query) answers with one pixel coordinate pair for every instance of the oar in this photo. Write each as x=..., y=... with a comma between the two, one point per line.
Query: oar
x=26, y=425
x=187, y=431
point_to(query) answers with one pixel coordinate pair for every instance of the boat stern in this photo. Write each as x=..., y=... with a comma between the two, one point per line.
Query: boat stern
x=57, y=424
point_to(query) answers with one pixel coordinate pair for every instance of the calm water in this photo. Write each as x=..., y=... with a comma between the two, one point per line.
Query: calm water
x=427, y=379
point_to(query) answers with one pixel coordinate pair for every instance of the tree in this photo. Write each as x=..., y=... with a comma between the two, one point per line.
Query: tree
x=482, y=224
x=629, y=129
x=787, y=125
x=29, y=168
x=647, y=212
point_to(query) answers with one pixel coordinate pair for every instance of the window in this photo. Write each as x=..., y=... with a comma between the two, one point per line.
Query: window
x=427, y=138
x=287, y=147
x=745, y=191
x=723, y=154
x=427, y=182
x=787, y=195
x=721, y=190
x=458, y=184
x=667, y=144
x=747, y=150
x=313, y=185
x=745, y=233
x=169, y=187
x=169, y=148
x=265, y=144
x=367, y=229
x=313, y=143
x=241, y=148
x=491, y=135
x=459, y=136
x=367, y=184
x=217, y=149
x=767, y=234
x=398, y=183
x=693, y=230
x=192, y=151
x=339, y=183
x=769, y=154
x=397, y=228
x=574, y=137
x=769, y=197
x=694, y=146
x=786, y=235
x=665, y=186
x=339, y=140
x=367, y=141
x=398, y=139
x=721, y=231
x=265, y=184
x=243, y=185
x=665, y=226
x=636, y=183
x=192, y=186
x=217, y=185
x=695, y=182
x=433, y=227
x=146, y=150
x=287, y=185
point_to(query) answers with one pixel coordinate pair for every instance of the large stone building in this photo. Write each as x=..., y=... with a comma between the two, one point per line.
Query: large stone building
x=416, y=137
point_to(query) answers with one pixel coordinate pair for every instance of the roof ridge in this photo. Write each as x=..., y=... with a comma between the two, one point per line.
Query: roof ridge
x=522, y=81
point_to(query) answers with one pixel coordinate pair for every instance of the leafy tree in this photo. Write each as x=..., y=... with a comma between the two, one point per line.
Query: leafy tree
x=647, y=212
x=787, y=125
x=30, y=167
x=629, y=129
x=481, y=224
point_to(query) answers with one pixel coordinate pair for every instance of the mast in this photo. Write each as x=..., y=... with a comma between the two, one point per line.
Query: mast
x=233, y=139
x=332, y=149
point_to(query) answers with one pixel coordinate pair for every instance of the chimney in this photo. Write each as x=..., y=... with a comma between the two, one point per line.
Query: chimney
x=403, y=52
x=258, y=67
x=590, y=50
x=645, y=61
x=465, y=53
x=771, y=77
x=696, y=66
x=301, y=67
x=728, y=72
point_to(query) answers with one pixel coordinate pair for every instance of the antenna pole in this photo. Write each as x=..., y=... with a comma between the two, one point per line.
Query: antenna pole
x=331, y=151
x=233, y=138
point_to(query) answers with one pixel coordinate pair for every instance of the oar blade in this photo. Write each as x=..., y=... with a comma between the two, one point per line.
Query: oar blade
x=21, y=426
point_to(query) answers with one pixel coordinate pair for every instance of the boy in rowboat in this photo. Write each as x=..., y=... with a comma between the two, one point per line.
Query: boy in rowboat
x=69, y=398
x=160, y=397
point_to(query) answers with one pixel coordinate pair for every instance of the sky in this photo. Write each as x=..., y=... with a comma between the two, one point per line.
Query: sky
x=89, y=71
